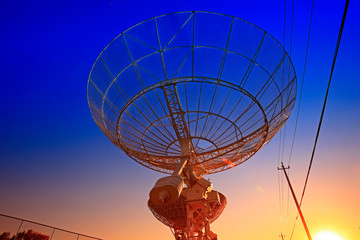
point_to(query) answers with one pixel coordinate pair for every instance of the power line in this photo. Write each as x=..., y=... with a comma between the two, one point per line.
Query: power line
x=291, y=42
x=302, y=81
x=282, y=141
x=325, y=101
x=326, y=95
x=284, y=212
x=301, y=90
x=292, y=26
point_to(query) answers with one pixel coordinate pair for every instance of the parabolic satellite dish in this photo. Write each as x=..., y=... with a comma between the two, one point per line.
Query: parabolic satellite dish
x=189, y=94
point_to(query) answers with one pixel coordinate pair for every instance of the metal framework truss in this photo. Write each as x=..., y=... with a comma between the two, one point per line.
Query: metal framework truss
x=173, y=90
x=171, y=86
x=190, y=220
x=176, y=112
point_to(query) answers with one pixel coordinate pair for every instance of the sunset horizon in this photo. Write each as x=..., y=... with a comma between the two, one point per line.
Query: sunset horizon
x=87, y=154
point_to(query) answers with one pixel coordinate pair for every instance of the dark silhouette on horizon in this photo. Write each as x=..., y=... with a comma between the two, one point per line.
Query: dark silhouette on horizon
x=29, y=235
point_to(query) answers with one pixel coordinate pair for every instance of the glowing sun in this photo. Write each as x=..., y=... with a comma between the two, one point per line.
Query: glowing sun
x=327, y=235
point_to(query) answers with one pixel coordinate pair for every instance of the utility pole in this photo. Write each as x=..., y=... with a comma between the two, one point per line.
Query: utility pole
x=282, y=236
x=296, y=201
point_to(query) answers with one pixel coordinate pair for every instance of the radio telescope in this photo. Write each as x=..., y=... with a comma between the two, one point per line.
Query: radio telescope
x=189, y=94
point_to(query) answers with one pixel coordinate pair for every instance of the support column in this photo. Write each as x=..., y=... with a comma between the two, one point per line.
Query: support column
x=296, y=202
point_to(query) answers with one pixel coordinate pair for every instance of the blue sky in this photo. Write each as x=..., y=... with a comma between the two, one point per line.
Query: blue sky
x=52, y=152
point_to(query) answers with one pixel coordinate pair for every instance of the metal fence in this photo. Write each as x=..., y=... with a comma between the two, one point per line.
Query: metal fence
x=13, y=228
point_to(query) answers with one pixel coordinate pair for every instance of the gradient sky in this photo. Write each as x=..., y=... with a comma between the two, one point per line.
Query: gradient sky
x=58, y=168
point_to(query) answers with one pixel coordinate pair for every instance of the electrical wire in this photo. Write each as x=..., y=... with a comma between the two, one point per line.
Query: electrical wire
x=281, y=142
x=325, y=100
x=302, y=82
x=284, y=213
x=291, y=42
x=326, y=95
x=300, y=98
x=282, y=136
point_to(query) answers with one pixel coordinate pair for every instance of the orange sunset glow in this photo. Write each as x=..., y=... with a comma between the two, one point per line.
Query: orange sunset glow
x=327, y=235
x=163, y=120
